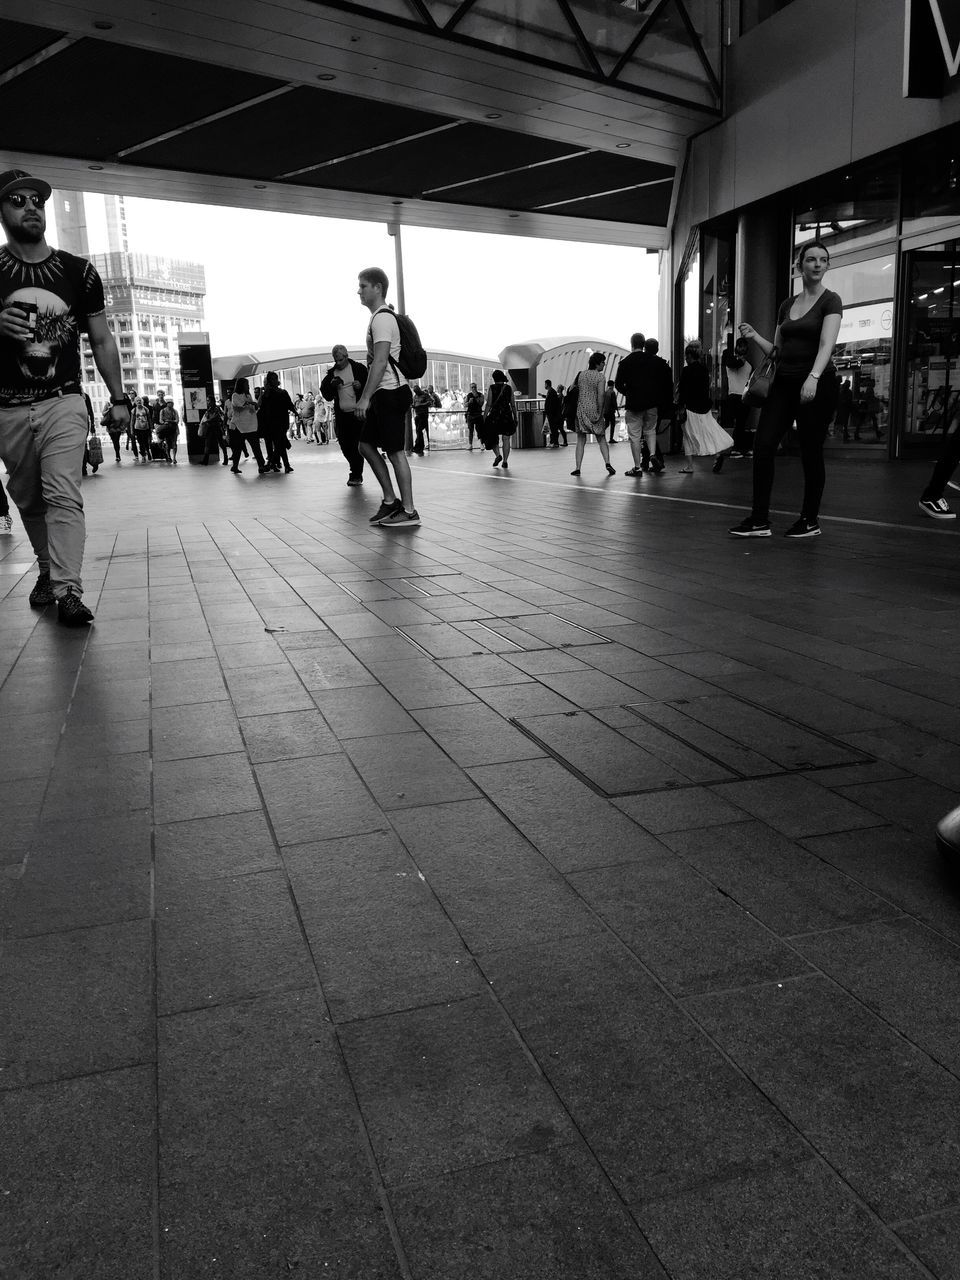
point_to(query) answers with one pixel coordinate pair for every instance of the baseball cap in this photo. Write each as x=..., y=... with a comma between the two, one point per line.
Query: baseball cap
x=14, y=179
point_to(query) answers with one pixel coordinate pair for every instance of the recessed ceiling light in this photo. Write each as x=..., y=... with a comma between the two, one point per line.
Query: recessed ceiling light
x=622, y=146
x=396, y=202
x=103, y=26
x=95, y=167
x=513, y=215
x=326, y=75
x=259, y=186
x=493, y=115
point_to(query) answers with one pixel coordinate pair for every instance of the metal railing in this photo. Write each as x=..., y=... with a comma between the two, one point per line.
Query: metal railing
x=448, y=427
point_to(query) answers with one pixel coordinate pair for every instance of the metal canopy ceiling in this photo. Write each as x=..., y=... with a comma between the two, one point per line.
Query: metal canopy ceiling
x=561, y=118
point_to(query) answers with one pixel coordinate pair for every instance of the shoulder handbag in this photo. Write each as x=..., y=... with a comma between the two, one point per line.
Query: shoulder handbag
x=758, y=386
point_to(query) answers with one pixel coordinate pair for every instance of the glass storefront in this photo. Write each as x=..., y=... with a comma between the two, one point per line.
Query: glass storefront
x=932, y=381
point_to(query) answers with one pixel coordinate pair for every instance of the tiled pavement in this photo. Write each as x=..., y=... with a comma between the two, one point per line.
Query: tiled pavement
x=548, y=892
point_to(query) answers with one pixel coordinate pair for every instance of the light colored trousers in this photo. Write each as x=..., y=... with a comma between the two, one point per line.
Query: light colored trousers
x=42, y=447
x=642, y=425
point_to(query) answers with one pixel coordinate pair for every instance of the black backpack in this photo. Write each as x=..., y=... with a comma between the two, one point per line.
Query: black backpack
x=413, y=359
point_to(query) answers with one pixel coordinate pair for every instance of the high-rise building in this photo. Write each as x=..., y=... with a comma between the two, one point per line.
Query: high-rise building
x=149, y=300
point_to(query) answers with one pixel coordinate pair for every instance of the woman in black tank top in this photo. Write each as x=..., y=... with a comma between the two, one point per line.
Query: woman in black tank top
x=804, y=390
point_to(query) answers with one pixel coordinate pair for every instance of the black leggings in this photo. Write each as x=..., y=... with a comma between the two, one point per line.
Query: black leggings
x=237, y=441
x=782, y=408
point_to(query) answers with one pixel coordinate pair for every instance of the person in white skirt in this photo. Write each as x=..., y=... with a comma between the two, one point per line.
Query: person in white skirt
x=703, y=437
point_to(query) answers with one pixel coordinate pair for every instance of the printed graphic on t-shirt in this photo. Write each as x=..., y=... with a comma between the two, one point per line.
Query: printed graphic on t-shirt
x=65, y=290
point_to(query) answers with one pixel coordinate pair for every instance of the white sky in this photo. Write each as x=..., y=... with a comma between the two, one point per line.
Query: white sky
x=287, y=280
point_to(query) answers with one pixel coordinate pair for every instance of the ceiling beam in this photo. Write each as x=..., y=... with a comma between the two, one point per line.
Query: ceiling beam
x=73, y=174
x=202, y=120
x=37, y=58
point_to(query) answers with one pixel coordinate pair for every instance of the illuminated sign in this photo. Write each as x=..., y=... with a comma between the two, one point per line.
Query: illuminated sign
x=931, y=47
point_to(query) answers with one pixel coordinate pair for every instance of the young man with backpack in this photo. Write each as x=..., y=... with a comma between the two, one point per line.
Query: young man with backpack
x=394, y=354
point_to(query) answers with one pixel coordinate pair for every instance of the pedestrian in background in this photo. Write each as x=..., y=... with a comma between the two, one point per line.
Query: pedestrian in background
x=702, y=434
x=168, y=432
x=142, y=429
x=499, y=418
x=644, y=381
x=115, y=431
x=274, y=419
x=553, y=413
x=422, y=404
x=342, y=385
x=473, y=405
x=243, y=426
x=212, y=431
x=589, y=412
x=610, y=410
x=736, y=369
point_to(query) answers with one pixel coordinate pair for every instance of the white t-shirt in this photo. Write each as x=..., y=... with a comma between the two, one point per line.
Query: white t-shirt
x=383, y=327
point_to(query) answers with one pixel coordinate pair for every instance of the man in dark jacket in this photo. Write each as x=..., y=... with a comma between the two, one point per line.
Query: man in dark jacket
x=473, y=404
x=553, y=414
x=423, y=402
x=273, y=418
x=643, y=379
x=343, y=384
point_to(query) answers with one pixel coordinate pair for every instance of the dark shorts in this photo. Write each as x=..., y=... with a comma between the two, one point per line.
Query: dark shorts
x=386, y=420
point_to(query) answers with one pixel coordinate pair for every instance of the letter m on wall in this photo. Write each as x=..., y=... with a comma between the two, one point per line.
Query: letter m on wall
x=931, y=47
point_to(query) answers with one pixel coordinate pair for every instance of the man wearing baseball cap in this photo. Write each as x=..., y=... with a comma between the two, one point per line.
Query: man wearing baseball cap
x=47, y=298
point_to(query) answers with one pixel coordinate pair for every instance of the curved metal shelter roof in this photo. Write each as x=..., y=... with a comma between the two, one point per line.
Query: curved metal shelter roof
x=563, y=118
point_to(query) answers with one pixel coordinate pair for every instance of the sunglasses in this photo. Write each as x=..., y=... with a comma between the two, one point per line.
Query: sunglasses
x=19, y=199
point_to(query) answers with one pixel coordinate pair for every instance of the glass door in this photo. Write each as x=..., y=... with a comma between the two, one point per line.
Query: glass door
x=932, y=381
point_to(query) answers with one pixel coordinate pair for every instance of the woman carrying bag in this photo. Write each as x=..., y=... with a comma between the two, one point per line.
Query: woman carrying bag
x=244, y=426
x=499, y=418
x=805, y=389
x=589, y=421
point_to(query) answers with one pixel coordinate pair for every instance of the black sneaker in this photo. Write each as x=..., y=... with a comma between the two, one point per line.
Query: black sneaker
x=751, y=528
x=72, y=612
x=386, y=509
x=400, y=519
x=354, y=481
x=936, y=509
x=42, y=593
x=804, y=529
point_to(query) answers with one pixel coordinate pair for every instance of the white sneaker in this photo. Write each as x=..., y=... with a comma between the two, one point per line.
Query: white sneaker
x=6, y=524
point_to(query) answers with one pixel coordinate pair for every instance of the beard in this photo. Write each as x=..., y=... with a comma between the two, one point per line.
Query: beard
x=31, y=232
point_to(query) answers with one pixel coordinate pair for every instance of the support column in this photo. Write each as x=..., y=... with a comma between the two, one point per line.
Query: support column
x=758, y=265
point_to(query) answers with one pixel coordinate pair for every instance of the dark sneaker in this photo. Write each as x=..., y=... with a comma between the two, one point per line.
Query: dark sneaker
x=936, y=509
x=386, y=509
x=42, y=593
x=72, y=612
x=750, y=528
x=354, y=481
x=400, y=519
x=634, y=471
x=804, y=529
x=657, y=468
x=952, y=484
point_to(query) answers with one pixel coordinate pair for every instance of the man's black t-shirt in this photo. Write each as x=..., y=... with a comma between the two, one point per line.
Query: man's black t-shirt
x=66, y=291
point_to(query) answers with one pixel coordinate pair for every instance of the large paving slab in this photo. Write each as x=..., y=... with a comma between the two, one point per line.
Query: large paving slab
x=549, y=891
